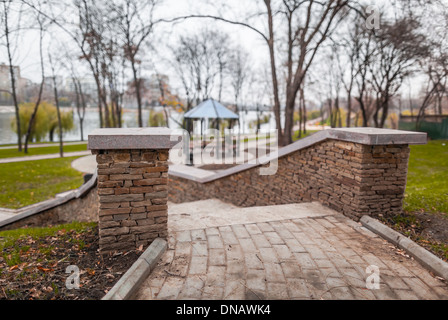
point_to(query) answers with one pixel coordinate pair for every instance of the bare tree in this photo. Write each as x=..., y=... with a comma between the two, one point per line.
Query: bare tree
x=199, y=60
x=6, y=8
x=58, y=111
x=398, y=48
x=134, y=19
x=80, y=104
x=42, y=25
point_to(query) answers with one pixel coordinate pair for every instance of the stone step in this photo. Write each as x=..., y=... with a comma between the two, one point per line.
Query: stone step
x=215, y=213
x=200, y=206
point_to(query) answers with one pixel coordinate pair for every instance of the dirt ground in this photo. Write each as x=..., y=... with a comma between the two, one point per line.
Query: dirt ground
x=430, y=230
x=41, y=271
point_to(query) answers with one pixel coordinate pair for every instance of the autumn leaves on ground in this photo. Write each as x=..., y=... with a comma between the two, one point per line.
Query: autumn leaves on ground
x=33, y=263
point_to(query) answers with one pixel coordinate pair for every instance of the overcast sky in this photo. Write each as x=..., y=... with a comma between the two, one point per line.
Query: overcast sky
x=27, y=57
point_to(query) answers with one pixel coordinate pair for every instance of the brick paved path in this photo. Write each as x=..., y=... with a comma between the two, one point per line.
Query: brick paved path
x=320, y=256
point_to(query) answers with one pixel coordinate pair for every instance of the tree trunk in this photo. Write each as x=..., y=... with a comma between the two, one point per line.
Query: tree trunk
x=277, y=111
x=349, y=109
x=39, y=97
x=13, y=80
x=56, y=98
x=137, y=93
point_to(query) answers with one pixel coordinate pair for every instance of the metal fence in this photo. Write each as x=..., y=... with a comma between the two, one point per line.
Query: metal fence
x=435, y=126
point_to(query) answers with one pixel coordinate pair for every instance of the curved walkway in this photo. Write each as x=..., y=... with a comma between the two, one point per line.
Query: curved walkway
x=300, y=251
x=45, y=156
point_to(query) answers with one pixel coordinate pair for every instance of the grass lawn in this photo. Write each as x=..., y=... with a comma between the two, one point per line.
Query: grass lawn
x=10, y=237
x=425, y=218
x=427, y=185
x=9, y=153
x=295, y=136
x=29, y=182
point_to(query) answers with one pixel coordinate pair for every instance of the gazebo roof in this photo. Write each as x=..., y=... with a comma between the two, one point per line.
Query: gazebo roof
x=210, y=109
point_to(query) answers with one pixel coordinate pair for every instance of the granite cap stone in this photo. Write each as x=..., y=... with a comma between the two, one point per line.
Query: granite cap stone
x=377, y=136
x=132, y=138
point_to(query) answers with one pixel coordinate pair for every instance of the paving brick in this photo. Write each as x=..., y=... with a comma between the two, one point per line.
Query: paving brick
x=212, y=293
x=198, y=234
x=291, y=269
x=291, y=226
x=199, y=248
x=421, y=289
x=235, y=270
x=248, y=245
x=216, y=276
x=273, y=238
x=277, y=291
x=354, y=277
x=274, y=272
x=303, y=238
x=297, y=288
x=406, y=295
x=240, y=231
x=283, y=252
x=253, y=260
x=268, y=255
x=323, y=263
x=234, y=290
x=265, y=227
x=385, y=293
x=256, y=280
x=294, y=245
x=427, y=278
x=315, y=252
x=304, y=260
x=171, y=288
x=253, y=229
x=183, y=249
x=192, y=288
x=198, y=265
x=217, y=257
x=234, y=252
x=183, y=236
x=211, y=231
x=215, y=242
x=229, y=238
x=261, y=241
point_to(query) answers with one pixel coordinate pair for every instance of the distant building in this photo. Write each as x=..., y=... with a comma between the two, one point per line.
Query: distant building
x=150, y=91
x=5, y=77
x=88, y=86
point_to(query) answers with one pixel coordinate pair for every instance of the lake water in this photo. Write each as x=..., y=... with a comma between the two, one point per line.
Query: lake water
x=91, y=122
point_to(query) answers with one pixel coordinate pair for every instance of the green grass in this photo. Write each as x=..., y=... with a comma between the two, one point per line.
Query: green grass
x=295, y=136
x=9, y=238
x=9, y=153
x=427, y=184
x=29, y=182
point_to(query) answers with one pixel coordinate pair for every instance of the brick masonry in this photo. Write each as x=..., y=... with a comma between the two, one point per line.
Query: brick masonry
x=132, y=189
x=354, y=179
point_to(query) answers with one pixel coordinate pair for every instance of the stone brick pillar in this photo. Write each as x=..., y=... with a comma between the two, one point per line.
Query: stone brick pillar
x=132, y=186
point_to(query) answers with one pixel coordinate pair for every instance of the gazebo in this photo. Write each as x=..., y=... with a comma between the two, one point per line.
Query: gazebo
x=210, y=109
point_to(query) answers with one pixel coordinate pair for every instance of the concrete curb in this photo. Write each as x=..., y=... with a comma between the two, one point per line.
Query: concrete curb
x=129, y=283
x=426, y=258
x=40, y=207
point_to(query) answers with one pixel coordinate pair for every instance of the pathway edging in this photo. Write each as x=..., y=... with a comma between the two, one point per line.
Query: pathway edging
x=131, y=281
x=426, y=258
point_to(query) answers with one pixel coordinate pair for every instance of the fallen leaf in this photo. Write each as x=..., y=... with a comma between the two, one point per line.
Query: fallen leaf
x=91, y=272
x=44, y=269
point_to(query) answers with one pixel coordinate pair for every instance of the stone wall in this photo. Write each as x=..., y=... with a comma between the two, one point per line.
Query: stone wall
x=132, y=189
x=352, y=178
x=82, y=209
